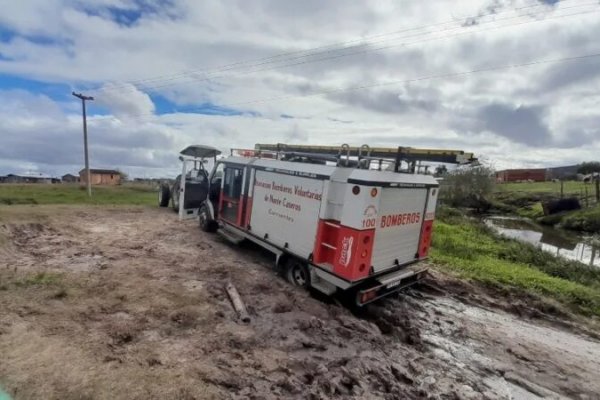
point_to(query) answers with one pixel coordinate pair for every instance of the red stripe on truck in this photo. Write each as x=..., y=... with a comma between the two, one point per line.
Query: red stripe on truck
x=248, y=211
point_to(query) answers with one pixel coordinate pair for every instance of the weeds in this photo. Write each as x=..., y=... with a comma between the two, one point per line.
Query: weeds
x=39, y=279
x=583, y=220
x=474, y=251
x=14, y=194
x=532, y=211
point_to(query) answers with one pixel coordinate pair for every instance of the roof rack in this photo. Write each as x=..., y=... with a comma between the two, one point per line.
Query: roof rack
x=343, y=154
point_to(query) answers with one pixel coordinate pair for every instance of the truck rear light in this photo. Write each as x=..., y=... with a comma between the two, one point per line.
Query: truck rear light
x=355, y=190
x=373, y=192
x=367, y=296
x=425, y=243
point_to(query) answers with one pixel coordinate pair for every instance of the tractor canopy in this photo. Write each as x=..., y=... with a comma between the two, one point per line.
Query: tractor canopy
x=200, y=151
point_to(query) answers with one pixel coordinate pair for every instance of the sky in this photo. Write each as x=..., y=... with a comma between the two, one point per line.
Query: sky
x=517, y=82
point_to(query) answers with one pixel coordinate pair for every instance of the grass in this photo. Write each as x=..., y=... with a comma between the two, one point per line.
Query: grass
x=40, y=279
x=569, y=187
x=473, y=251
x=587, y=220
x=131, y=194
x=532, y=211
x=524, y=199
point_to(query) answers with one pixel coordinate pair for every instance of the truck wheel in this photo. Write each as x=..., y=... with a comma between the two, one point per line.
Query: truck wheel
x=207, y=224
x=297, y=273
x=164, y=195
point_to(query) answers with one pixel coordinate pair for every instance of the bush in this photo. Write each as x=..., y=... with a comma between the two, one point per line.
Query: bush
x=468, y=187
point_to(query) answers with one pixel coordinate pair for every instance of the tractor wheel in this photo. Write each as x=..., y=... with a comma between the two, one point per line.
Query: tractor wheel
x=175, y=199
x=297, y=273
x=207, y=224
x=164, y=195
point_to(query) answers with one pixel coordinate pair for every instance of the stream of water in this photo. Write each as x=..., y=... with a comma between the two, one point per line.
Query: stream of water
x=568, y=245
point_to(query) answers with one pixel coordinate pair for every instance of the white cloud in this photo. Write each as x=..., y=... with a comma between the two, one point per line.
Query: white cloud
x=125, y=100
x=86, y=44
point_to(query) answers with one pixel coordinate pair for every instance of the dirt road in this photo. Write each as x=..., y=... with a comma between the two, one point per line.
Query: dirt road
x=128, y=303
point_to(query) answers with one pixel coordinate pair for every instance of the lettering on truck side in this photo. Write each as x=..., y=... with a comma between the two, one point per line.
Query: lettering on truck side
x=400, y=219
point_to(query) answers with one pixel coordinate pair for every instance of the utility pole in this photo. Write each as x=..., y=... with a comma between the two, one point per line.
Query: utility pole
x=85, y=141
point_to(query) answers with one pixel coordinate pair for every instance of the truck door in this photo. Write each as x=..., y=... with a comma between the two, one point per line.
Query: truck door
x=231, y=201
x=214, y=192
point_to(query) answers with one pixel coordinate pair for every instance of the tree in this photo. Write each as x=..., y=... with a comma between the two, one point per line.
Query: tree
x=440, y=170
x=586, y=168
x=468, y=187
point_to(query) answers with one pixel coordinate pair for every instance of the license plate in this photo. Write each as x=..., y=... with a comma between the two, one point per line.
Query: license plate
x=393, y=284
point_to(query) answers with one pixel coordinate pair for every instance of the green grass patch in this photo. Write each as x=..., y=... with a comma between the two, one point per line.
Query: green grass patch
x=131, y=194
x=39, y=279
x=587, y=220
x=569, y=187
x=532, y=211
x=473, y=251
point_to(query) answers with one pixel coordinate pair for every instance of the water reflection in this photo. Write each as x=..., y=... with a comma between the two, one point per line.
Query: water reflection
x=570, y=246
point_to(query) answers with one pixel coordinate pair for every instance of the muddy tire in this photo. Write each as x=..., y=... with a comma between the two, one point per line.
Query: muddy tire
x=164, y=195
x=207, y=224
x=297, y=273
x=175, y=198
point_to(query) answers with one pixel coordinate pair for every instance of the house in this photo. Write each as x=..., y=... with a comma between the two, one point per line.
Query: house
x=70, y=178
x=27, y=178
x=101, y=176
x=520, y=175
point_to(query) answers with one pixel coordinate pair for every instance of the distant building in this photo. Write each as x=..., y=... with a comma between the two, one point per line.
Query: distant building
x=27, y=178
x=101, y=176
x=519, y=175
x=70, y=178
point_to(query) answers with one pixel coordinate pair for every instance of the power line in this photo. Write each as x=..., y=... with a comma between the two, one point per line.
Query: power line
x=312, y=53
x=424, y=78
x=398, y=82
x=368, y=50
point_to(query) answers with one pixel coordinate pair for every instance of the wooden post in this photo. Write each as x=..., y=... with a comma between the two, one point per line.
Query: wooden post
x=587, y=201
x=237, y=302
x=561, y=189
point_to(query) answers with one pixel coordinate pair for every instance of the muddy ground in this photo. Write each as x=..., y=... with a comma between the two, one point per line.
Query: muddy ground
x=128, y=303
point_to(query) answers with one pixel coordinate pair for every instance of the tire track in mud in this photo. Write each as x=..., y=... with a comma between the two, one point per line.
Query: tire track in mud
x=152, y=304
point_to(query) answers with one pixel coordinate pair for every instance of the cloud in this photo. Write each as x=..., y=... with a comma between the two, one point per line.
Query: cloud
x=390, y=101
x=522, y=124
x=542, y=114
x=124, y=100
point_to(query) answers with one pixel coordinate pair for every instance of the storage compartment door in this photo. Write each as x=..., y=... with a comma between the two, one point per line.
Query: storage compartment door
x=398, y=227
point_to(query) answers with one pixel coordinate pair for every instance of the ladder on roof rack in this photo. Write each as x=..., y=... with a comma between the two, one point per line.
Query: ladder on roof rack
x=397, y=155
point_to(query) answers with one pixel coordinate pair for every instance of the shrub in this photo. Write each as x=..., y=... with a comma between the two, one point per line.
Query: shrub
x=468, y=187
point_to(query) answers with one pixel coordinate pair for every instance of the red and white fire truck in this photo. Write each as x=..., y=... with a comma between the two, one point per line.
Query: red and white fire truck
x=355, y=219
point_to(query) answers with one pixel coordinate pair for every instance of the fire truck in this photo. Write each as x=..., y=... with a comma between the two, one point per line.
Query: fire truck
x=351, y=219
